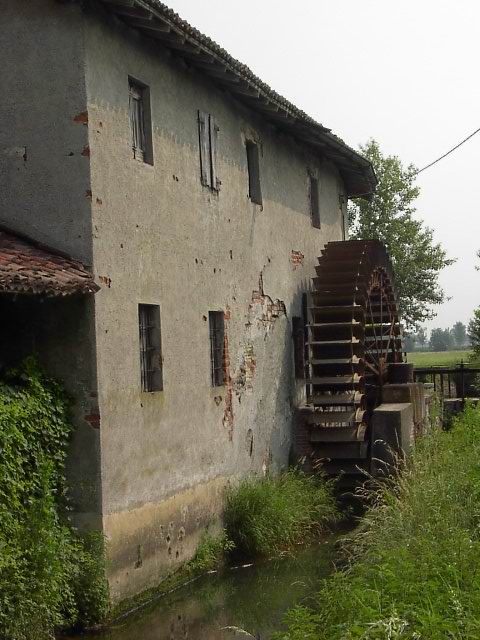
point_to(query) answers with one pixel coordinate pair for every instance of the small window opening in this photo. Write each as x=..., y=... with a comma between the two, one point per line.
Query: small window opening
x=217, y=336
x=208, y=138
x=253, y=162
x=298, y=335
x=140, y=121
x=314, y=202
x=151, y=366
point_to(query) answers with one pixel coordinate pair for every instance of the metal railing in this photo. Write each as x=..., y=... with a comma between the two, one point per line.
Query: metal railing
x=458, y=382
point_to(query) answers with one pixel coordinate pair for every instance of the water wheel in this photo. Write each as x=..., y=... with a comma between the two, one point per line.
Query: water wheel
x=354, y=336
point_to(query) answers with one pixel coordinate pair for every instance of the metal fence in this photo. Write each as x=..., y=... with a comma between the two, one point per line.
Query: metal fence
x=458, y=382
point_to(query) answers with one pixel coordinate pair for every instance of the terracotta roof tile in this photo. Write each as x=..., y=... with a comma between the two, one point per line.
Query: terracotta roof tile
x=157, y=21
x=28, y=267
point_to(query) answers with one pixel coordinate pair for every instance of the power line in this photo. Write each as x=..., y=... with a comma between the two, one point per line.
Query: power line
x=448, y=152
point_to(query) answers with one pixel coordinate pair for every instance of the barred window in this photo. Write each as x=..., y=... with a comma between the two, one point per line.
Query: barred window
x=140, y=121
x=151, y=367
x=217, y=336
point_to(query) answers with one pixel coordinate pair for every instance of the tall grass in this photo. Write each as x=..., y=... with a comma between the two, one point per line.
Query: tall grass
x=414, y=568
x=263, y=516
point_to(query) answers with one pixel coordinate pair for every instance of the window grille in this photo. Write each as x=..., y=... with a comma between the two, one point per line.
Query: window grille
x=150, y=347
x=140, y=122
x=314, y=202
x=208, y=138
x=253, y=162
x=217, y=337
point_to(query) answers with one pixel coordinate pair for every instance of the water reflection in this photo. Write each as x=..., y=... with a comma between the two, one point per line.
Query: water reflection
x=251, y=598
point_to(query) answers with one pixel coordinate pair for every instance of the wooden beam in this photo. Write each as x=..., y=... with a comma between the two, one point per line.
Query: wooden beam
x=134, y=12
x=120, y=3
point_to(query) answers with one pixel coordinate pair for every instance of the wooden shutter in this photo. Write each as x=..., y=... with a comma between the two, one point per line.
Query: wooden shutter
x=213, y=129
x=137, y=121
x=314, y=202
x=203, y=137
x=254, y=187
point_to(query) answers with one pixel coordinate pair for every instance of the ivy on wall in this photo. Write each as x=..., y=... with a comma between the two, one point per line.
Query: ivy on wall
x=50, y=575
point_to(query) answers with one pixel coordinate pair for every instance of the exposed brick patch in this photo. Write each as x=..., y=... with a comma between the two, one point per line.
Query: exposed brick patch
x=297, y=258
x=86, y=151
x=106, y=281
x=81, y=118
x=263, y=309
x=246, y=371
x=228, y=417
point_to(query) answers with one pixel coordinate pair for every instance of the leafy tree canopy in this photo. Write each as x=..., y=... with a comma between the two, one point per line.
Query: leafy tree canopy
x=417, y=260
x=474, y=332
x=421, y=337
x=459, y=331
x=441, y=340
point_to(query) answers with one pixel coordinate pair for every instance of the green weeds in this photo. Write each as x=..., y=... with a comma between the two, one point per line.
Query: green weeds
x=414, y=568
x=50, y=576
x=263, y=516
x=211, y=552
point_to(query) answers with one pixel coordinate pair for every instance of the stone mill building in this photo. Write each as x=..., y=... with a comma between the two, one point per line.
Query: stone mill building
x=186, y=203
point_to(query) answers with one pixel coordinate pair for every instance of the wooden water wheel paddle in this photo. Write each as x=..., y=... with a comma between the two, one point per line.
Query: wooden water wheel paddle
x=354, y=335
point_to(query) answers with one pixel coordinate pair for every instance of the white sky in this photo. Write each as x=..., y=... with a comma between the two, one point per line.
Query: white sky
x=404, y=73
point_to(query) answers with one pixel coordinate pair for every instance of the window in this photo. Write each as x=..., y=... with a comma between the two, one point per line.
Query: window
x=208, y=136
x=300, y=340
x=140, y=121
x=254, y=187
x=216, y=323
x=150, y=347
x=314, y=203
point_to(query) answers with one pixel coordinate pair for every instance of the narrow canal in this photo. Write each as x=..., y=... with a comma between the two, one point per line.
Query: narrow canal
x=253, y=598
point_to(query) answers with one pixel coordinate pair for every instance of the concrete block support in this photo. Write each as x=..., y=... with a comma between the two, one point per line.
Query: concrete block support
x=392, y=434
x=413, y=392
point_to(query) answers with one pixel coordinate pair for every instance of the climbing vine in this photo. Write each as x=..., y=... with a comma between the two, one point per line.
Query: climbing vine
x=50, y=575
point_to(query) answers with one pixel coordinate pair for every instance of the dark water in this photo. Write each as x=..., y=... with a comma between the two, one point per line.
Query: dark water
x=252, y=598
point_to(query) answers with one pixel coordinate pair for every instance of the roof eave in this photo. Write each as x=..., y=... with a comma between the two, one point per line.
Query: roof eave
x=158, y=22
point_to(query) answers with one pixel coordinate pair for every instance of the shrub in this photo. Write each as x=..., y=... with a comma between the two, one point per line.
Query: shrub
x=211, y=552
x=415, y=559
x=265, y=515
x=47, y=578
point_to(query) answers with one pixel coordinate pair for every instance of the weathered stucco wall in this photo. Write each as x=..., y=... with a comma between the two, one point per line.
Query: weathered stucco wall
x=162, y=238
x=44, y=171
x=44, y=193
x=154, y=235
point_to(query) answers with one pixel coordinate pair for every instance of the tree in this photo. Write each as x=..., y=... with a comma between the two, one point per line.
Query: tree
x=409, y=342
x=440, y=340
x=417, y=260
x=421, y=337
x=459, y=332
x=474, y=331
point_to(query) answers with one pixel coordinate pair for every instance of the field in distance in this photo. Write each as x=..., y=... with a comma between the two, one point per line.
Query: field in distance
x=437, y=358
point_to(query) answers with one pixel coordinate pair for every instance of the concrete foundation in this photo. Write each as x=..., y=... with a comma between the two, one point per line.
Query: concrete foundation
x=392, y=435
x=414, y=393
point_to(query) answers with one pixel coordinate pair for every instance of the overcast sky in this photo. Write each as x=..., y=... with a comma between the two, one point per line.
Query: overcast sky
x=404, y=73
